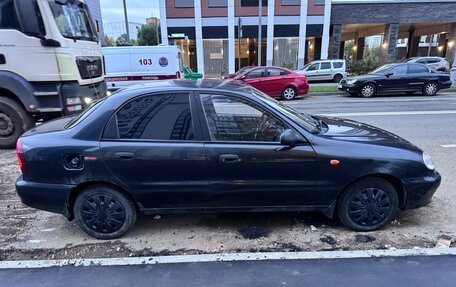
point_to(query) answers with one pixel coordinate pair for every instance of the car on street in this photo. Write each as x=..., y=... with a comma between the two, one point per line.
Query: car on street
x=216, y=146
x=324, y=70
x=438, y=63
x=275, y=81
x=397, y=78
x=241, y=70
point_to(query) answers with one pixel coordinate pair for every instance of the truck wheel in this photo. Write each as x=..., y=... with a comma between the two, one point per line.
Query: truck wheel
x=14, y=121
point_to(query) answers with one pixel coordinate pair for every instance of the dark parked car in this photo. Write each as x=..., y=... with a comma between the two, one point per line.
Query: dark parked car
x=216, y=146
x=397, y=78
x=275, y=82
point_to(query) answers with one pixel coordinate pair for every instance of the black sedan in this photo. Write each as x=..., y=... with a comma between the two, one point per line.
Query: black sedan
x=397, y=78
x=216, y=146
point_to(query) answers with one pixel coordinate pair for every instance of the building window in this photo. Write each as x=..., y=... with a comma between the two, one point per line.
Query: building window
x=215, y=58
x=183, y=3
x=291, y=2
x=286, y=52
x=253, y=3
x=319, y=2
x=218, y=3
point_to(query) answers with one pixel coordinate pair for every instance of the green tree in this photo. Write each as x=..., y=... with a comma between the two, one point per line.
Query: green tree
x=122, y=40
x=147, y=35
x=109, y=41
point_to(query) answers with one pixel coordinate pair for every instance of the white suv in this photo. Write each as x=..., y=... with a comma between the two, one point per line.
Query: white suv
x=438, y=63
x=324, y=70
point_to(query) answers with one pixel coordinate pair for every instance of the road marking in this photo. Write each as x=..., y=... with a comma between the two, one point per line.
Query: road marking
x=448, y=145
x=392, y=113
x=226, y=257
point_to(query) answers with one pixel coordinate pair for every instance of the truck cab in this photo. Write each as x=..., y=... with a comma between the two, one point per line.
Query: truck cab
x=50, y=63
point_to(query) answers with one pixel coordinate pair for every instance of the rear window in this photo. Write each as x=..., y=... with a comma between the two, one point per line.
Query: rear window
x=77, y=119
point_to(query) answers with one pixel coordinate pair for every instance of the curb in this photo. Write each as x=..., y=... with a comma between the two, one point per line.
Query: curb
x=227, y=257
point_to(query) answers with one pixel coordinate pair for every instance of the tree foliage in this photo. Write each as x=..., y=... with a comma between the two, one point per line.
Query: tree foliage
x=147, y=35
x=109, y=41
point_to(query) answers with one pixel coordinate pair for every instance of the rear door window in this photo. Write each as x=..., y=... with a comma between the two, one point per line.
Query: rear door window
x=325, y=66
x=272, y=72
x=153, y=117
x=417, y=69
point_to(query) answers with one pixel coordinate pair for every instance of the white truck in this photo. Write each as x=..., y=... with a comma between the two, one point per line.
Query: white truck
x=50, y=63
x=131, y=65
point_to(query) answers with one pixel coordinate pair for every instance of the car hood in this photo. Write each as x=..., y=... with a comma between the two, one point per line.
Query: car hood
x=349, y=130
x=364, y=77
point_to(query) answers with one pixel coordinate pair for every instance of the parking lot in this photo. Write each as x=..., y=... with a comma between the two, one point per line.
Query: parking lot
x=427, y=122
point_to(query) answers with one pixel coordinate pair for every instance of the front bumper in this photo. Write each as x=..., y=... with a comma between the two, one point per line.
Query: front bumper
x=303, y=89
x=45, y=196
x=351, y=89
x=420, y=190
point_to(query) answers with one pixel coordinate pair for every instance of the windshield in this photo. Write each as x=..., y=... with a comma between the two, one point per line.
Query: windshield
x=382, y=69
x=73, y=19
x=309, y=123
x=306, y=66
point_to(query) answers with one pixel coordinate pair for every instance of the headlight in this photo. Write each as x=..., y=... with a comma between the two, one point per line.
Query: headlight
x=428, y=161
x=108, y=93
x=88, y=100
x=73, y=101
x=351, y=82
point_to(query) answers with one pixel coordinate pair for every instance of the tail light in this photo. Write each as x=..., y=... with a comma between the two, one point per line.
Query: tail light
x=20, y=155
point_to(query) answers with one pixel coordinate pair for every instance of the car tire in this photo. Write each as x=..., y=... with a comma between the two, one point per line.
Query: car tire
x=116, y=211
x=289, y=93
x=337, y=78
x=14, y=121
x=430, y=88
x=368, y=204
x=368, y=90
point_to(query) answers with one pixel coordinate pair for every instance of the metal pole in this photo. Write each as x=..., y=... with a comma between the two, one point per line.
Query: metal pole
x=431, y=40
x=239, y=42
x=260, y=14
x=126, y=20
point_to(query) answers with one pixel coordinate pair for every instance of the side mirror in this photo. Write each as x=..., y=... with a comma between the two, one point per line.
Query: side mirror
x=243, y=77
x=389, y=74
x=290, y=138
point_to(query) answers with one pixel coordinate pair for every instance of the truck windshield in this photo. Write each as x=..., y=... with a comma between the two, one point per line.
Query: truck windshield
x=73, y=19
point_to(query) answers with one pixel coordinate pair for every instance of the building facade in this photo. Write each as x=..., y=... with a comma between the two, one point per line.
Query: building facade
x=295, y=32
x=95, y=12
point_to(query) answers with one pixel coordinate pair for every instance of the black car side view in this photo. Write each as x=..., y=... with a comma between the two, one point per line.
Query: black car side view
x=397, y=78
x=216, y=146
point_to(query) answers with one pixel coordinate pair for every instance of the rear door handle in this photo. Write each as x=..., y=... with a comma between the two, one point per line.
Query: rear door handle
x=229, y=158
x=124, y=155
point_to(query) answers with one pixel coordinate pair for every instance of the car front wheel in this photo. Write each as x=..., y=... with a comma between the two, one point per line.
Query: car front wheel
x=368, y=204
x=104, y=213
x=430, y=89
x=289, y=93
x=368, y=90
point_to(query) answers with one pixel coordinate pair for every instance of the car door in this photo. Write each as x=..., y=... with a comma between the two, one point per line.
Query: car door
x=418, y=76
x=255, y=79
x=153, y=146
x=395, y=80
x=249, y=168
x=275, y=81
x=325, y=71
x=312, y=72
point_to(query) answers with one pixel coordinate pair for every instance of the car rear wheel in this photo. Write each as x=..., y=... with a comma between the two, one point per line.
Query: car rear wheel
x=368, y=204
x=104, y=213
x=368, y=90
x=289, y=93
x=337, y=78
x=430, y=89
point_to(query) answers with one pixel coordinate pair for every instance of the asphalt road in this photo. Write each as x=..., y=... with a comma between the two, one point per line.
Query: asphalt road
x=430, y=123
x=388, y=271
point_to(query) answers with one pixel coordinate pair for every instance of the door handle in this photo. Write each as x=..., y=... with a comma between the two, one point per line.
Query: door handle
x=229, y=158
x=124, y=155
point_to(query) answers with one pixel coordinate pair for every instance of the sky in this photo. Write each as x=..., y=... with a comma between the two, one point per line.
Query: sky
x=137, y=10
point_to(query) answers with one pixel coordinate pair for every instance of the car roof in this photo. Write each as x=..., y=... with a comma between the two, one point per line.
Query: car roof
x=185, y=85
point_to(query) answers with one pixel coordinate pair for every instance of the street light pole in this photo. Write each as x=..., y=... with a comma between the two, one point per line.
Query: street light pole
x=260, y=14
x=239, y=42
x=126, y=20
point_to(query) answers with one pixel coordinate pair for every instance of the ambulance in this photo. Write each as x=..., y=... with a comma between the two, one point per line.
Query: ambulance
x=130, y=65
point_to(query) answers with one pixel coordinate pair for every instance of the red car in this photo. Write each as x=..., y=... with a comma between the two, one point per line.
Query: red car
x=275, y=81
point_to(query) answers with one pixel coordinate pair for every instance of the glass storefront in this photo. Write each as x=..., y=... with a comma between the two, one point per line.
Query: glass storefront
x=249, y=52
x=286, y=52
x=188, y=52
x=215, y=58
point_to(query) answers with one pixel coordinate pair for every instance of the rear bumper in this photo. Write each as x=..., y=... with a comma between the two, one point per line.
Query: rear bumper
x=445, y=85
x=45, y=196
x=421, y=190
